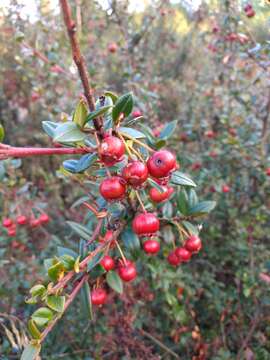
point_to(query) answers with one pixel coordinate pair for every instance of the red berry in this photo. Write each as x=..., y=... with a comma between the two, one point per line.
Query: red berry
x=12, y=231
x=136, y=113
x=250, y=13
x=173, y=259
x=151, y=246
x=112, y=47
x=161, y=164
x=44, y=218
x=268, y=171
x=34, y=223
x=232, y=131
x=108, y=237
x=7, y=223
x=210, y=134
x=248, y=7
x=157, y=196
x=196, y=166
x=127, y=271
x=225, y=189
x=193, y=244
x=21, y=220
x=107, y=263
x=183, y=254
x=135, y=173
x=113, y=188
x=145, y=224
x=98, y=296
x=111, y=150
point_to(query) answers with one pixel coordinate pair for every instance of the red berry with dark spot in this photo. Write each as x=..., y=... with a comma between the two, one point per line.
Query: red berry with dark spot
x=113, y=188
x=159, y=196
x=21, y=220
x=173, y=259
x=151, y=246
x=161, y=164
x=145, y=224
x=135, y=173
x=225, y=189
x=111, y=150
x=107, y=263
x=193, y=244
x=7, y=222
x=44, y=218
x=98, y=296
x=183, y=254
x=127, y=271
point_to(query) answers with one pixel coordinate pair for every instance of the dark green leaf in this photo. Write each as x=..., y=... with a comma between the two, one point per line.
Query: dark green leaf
x=131, y=133
x=167, y=209
x=113, y=96
x=34, y=331
x=179, y=178
x=192, y=198
x=182, y=202
x=131, y=240
x=55, y=270
x=123, y=105
x=79, y=229
x=168, y=130
x=95, y=261
x=114, y=281
x=67, y=261
x=98, y=112
x=86, y=300
x=202, y=208
x=190, y=228
x=70, y=165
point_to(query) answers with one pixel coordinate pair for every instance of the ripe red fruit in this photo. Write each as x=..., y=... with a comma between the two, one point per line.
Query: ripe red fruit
x=268, y=171
x=98, y=296
x=108, y=237
x=12, y=231
x=7, y=223
x=145, y=224
x=113, y=188
x=157, y=196
x=151, y=246
x=107, y=263
x=34, y=223
x=210, y=134
x=112, y=47
x=111, y=150
x=250, y=13
x=135, y=173
x=161, y=164
x=225, y=189
x=247, y=7
x=193, y=244
x=173, y=259
x=127, y=271
x=21, y=220
x=183, y=254
x=232, y=131
x=136, y=113
x=44, y=218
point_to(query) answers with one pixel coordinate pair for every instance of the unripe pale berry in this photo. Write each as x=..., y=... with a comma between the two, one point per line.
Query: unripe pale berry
x=135, y=173
x=151, y=246
x=113, y=188
x=161, y=164
x=111, y=150
x=145, y=224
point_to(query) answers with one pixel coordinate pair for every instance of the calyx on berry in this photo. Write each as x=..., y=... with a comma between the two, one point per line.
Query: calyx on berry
x=135, y=173
x=111, y=150
x=151, y=246
x=145, y=224
x=161, y=164
x=193, y=244
x=113, y=188
x=127, y=271
x=107, y=263
x=159, y=196
x=98, y=296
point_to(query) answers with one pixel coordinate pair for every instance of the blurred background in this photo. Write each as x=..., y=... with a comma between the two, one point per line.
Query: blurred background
x=205, y=64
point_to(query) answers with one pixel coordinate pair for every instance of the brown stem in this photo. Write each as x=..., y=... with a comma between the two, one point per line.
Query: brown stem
x=80, y=61
x=7, y=151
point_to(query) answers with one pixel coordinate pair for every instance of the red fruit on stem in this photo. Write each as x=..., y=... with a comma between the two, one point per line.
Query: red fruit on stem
x=12, y=232
x=136, y=113
x=225, y=189
x=44, y=218
x=210, y=134
x=135, y=173
x=173, y=259
x=7, y=222
x=21, y=220
x=193, y=244
x=112, y=47
x=34, y=223
x=183, y=254
x=268, y=171
x=113, y=188
x=157, y=196
x=111, y=150
x=161, y=164
x=107, y=263
x=98, y=296
x=250, y=13
x=145, y=224
x=127, y=271
x=151, y=246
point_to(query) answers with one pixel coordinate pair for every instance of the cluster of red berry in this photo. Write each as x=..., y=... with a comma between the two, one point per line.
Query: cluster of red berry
x=11, y=225
x=250, y=12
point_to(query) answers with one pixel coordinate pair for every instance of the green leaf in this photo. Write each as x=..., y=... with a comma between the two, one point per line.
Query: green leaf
x=49, y=127
x=70, y=165
x=66, y=251
x=80, y=114
x=123, y=105
x=131, y=240
x=114, y=281
x=67, y=261
x=167, y=209
x=202, y=208
x=182, y=202
x=55, y=271
x=85, y=162
x=192, y=197
x=2, y=133
x=79, y=229
x=42, y=316
x=37, y=290
x=113, y=96
x=31, y=352
x=131, y=133
x=56, y=303
x=95, y=261
x=68, y=132
x=86, y=300
x=155, y=185
x=34, y=331
x=168, y=130
x=190, y=227
x=98, y=112
x=179, y=178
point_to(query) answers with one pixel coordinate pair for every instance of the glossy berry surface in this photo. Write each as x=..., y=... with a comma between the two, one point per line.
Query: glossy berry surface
x=158, y=196
x=112, y=47
x=193, y=244
x=107, y=263
x=135, y=173
x=127, y=271
x=44, y=218
x=111, y=150
x=183, y=254
x=161, y=164
x=268, y=171
x=12, y=232
x=21, y=220
x=145, y=224
x=7, y=223
x=151, y=246
x=225, y=189
x=34, y=223
x=173, y=259
x=113, y=188
x=98, y=296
